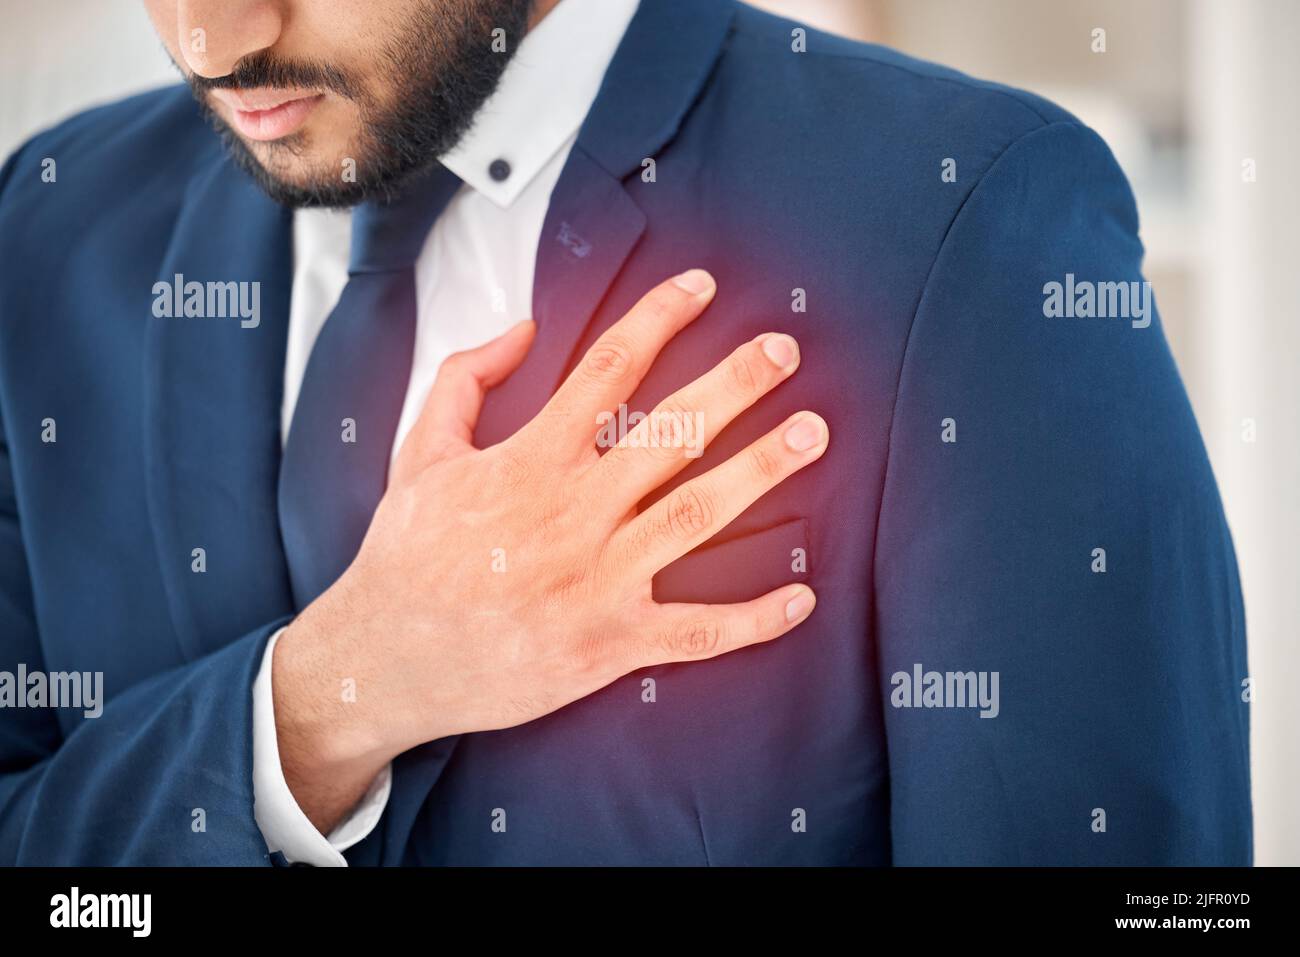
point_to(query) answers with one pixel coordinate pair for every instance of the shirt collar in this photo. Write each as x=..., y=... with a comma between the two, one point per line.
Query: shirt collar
x=545, y=93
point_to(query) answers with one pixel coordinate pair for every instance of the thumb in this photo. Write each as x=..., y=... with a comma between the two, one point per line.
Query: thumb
x=446, y=424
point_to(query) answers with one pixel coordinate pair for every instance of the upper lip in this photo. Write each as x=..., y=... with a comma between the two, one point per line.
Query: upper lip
x=260, y=98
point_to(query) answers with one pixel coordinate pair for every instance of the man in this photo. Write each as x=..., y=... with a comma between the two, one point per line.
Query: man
x=379, y=572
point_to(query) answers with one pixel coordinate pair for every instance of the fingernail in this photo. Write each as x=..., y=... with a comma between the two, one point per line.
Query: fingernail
x=694, y=281
x=805, y=434
x=781, y=349
x=799, y=606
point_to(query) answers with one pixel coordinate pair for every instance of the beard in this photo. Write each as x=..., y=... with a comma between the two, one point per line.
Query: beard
x=441, y=69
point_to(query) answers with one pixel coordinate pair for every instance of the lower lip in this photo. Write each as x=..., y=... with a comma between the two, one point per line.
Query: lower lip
x=273, y=124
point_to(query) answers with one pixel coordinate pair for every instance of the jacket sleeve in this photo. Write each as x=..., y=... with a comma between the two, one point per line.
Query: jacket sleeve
x=162, y=776
x=1050, y=520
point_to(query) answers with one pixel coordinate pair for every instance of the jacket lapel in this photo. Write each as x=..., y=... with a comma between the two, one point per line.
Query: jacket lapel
x=213, y=392
x=592, y=226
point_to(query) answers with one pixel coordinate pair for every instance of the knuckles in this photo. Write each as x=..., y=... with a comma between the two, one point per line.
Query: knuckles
x=609, y=361
x=698, y=638
x=663, y=431
x=683, y=515
x=691, y=511
x=766, y=466
x=740, y=377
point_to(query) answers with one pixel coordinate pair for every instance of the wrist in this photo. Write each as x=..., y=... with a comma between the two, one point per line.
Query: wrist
x=324, y=723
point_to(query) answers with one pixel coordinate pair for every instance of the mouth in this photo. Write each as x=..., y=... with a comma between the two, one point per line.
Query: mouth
x=266, y=114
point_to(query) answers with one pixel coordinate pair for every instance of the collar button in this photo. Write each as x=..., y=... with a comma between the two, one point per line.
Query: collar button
x=499, y=170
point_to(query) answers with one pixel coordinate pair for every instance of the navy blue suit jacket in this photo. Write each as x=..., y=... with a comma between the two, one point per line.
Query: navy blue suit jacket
x=922, y=322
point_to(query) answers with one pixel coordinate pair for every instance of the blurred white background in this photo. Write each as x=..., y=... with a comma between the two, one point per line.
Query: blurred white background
x=1186, y=90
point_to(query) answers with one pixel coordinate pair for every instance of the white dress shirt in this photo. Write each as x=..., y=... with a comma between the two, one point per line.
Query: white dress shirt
x=474, y=280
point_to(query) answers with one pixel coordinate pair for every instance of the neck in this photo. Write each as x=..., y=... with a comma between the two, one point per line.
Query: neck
x=540, y=9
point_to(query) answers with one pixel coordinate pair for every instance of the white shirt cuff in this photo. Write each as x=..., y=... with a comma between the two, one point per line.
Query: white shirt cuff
x=283, y=825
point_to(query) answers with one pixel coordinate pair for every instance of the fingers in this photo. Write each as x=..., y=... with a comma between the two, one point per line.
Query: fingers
x=682, y=632
x=682, y=426
x=615, y=365
x=695, y=511
x=446, y=423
